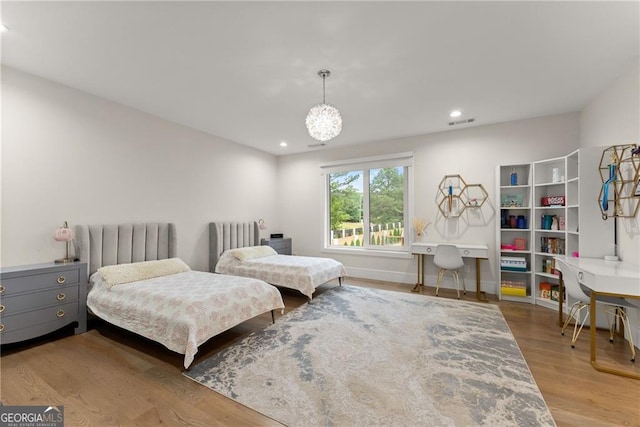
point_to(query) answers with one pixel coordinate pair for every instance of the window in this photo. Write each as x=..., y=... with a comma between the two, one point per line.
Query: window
x=367, y=203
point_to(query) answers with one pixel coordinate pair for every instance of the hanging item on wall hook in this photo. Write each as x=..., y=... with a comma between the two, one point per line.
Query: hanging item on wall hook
x=450, y=197
x=606, y=184
x=261, y=224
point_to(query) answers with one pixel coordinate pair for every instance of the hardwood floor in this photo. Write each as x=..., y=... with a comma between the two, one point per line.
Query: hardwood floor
x=108, y=376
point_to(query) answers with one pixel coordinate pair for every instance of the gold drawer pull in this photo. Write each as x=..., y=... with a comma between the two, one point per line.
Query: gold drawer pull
x=60, y=313
x=61, y=296
x=1, y=327
x=2, y=288
x=61, y=279
x=1, y=308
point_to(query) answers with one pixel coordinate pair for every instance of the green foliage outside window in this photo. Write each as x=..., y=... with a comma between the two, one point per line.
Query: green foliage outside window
x=386, y=206
x=346, y=200
x=386, y=196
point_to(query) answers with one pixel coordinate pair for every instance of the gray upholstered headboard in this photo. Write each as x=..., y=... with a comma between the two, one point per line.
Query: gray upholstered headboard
x=100, y=245
x=230, y=235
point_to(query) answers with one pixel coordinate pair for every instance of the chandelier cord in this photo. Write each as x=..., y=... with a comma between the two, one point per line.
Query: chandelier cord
x=323, y=88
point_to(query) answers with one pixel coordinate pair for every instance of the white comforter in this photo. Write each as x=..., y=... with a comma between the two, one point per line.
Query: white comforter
x=182, y=311
x=302, y=273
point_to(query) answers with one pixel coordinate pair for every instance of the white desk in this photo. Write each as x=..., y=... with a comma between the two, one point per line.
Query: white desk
x=478, y=251
x=612, y=278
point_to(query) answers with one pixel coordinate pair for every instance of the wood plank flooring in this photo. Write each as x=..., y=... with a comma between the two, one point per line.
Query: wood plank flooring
x=109, y=377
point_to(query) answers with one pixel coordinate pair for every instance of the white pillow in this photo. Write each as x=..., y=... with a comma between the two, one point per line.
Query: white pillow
x=126, y=273
x=252, y=252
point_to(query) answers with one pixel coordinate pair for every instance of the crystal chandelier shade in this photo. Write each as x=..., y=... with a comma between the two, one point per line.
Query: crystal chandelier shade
x=324, y=121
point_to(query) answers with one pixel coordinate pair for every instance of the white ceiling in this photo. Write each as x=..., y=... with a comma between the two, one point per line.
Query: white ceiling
x=246, y=71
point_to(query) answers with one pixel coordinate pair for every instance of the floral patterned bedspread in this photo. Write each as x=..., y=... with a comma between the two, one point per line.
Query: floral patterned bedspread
x=289, y=271
x=182, y=311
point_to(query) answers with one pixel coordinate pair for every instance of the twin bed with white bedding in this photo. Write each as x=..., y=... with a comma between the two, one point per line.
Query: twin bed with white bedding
x=137, y=283
x=234, y=250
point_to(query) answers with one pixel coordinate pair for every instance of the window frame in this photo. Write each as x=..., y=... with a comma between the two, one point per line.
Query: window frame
x=404, y=160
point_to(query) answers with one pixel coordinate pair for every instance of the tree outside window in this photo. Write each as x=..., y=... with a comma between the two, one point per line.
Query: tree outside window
x=367, y=208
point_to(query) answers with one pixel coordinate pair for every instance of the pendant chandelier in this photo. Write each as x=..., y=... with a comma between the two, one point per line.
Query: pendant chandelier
x=324, y=121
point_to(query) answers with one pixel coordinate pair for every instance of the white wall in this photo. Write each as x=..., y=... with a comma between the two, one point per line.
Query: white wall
x=613, y=118
x=67, y=155
x=473, y=153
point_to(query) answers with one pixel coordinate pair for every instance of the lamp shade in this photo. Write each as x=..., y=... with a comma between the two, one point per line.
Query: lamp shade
x=63, y=234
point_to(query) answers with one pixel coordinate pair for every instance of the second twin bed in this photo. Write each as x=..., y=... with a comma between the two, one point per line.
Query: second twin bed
x=234, y=250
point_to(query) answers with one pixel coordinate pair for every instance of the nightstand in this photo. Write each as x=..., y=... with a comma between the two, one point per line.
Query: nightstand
x=41, y=298
x=282, y=246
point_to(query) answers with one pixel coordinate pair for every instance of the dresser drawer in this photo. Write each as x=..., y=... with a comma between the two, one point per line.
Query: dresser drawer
x=23, y=302
x=56, y=317
x=34, y=282
x=282, y=246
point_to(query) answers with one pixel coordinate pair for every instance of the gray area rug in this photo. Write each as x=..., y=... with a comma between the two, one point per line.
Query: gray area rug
x=360, y=356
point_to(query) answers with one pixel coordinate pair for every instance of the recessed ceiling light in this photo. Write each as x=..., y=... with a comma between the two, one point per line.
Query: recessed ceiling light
x=455, y=113
x=283, y=144
x=3, y=28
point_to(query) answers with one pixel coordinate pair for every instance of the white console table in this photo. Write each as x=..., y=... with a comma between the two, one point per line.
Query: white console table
x=479, y=251
x=610, y=278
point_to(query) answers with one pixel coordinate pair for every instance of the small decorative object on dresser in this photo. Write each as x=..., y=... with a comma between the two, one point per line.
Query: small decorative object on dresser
x=41, y=298
x=65, y=234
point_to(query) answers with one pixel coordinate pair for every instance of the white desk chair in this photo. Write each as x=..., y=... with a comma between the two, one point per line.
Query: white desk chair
x=448, y=258
x=613, y=306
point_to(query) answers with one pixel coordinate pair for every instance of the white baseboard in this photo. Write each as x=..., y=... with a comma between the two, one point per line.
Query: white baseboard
x=410, y=278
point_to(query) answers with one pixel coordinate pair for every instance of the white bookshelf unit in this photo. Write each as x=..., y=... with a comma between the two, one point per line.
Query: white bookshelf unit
x=557, y=197
x=514, y=231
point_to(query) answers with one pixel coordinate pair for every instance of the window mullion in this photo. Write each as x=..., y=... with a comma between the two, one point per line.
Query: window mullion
x=366, y=223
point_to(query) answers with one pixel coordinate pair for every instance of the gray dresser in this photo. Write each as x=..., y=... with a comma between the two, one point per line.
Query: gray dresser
x=282, y=246
x=41, y=298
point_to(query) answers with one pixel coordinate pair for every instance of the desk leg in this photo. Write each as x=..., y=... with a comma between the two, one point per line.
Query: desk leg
x=420, y=283
x=480, y=295
x=594, y=363
x=560, y=299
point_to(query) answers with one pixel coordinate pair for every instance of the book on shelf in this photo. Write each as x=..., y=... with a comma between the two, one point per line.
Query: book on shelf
x=549, y=266
x=513, y=287
x=552, y=245
x=516, y=292
x=545, y=290
x=513, y=263
x=552, y=201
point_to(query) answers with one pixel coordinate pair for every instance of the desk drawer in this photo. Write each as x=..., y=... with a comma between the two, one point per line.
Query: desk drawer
x=473, y=253
x=23, y=302
x=34, y=282
x=586, y=278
